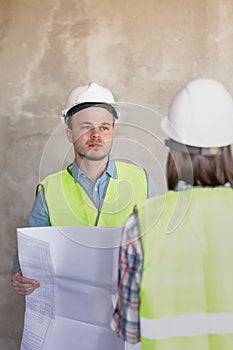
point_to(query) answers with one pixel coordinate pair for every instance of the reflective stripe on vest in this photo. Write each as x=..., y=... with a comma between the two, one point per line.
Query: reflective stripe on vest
x=187, y=325
x=69, y=205
x=187, y=279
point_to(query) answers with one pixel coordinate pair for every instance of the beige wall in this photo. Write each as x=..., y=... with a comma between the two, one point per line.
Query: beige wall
x=142, y=50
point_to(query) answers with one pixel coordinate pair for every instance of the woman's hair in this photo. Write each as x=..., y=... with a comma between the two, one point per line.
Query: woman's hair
x=199, y=170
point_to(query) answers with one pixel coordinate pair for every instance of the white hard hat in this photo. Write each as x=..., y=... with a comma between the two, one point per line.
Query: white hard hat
x=201, y=115
x=90, y=93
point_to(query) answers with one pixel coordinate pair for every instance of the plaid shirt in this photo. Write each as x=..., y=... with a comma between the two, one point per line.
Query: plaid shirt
x=125, y=321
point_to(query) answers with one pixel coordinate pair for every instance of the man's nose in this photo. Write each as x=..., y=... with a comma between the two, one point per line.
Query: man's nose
x=95, y=133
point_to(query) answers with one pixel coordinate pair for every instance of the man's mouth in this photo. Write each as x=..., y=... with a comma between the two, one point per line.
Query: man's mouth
x=95, y=145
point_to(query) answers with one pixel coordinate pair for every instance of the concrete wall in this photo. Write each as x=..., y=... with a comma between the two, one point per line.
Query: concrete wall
x=144, y=51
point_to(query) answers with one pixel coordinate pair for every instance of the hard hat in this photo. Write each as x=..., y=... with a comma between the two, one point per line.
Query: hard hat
x=201, y=115
x=90, y=93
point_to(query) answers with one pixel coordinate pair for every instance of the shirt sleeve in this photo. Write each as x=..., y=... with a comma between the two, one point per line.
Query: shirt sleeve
x=125, y=322
x=152, y=191
x=16, y=265
x=39, y=217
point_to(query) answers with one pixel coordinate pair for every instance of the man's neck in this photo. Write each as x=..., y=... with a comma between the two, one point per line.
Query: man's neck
x=93, y=169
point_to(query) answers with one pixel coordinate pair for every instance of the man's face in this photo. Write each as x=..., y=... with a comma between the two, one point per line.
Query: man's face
x=91, y=133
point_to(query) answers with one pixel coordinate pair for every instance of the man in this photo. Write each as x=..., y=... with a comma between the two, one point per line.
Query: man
x=94, y=190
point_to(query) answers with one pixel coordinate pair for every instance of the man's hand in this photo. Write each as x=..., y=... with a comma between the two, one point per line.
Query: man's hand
x=23, y=285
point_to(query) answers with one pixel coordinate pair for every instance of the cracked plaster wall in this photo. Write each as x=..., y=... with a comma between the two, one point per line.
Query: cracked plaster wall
x=144, y=51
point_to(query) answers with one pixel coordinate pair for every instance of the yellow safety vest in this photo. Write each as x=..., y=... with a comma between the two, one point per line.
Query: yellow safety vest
x=69, y=205
x=186, y=295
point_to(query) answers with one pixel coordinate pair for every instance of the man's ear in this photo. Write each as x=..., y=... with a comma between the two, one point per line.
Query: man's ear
x=69, y=135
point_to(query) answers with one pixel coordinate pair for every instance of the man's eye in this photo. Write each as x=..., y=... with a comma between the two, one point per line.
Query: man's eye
x=104, y=128
x=85, y=127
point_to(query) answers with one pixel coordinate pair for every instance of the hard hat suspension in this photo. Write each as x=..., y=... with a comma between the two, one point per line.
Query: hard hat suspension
x=204, y=151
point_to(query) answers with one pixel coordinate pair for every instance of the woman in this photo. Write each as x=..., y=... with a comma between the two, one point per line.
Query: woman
x=176, y=258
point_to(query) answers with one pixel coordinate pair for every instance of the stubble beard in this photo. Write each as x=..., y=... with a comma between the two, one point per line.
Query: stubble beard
x=92, y=155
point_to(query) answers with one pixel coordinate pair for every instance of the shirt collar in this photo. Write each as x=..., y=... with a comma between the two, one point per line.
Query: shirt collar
x=182, y=185
x=111, y=170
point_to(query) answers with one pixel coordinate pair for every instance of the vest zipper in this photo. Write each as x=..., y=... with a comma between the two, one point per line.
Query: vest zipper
x=99, y=210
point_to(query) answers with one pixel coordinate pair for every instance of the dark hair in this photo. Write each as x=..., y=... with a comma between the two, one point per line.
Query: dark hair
x=199, y=170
